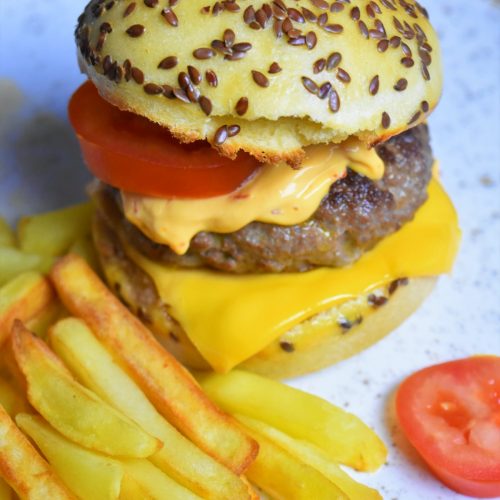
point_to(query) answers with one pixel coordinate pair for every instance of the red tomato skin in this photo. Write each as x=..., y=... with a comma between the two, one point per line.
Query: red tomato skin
x=134, y=154
x=480, y=476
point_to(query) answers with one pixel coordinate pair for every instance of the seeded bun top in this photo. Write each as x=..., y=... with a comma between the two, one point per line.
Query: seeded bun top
x=268, y=78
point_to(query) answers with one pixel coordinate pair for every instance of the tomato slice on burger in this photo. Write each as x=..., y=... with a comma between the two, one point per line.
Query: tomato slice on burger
x=134, y=154
x=451, y=414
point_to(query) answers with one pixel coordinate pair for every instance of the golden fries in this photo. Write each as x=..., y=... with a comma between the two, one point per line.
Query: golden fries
x=14, y=262
x=24, y=298
x=73, y=410
x=341, y=435
x=84, y=247
x=6, y=492
x=170, y=387
x=282, y=476
x=93, y=365
x=24, y=469
x=52, y=233
x=86, y=473
x=7, y=238
x=153, y=483
x=311, y=455
x=12, y=401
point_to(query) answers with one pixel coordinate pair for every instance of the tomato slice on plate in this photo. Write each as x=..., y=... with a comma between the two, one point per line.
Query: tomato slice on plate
x=134, y=154
x=451, y=415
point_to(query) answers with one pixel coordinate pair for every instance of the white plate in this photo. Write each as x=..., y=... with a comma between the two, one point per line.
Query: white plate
x=40, y=168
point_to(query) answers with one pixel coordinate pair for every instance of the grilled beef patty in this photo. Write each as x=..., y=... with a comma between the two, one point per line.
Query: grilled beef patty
x=355, y=215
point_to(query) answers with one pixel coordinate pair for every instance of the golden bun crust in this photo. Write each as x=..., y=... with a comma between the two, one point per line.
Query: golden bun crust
x=316, y=343
x=372, y=69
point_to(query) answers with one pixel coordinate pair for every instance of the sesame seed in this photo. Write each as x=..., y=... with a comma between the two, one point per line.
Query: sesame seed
x=274, y=68
x=319, y=66
x=203, y=53
x=242, y=47
x=311, y=40
x=374, y=85
x=386, y=120
x=407, y=62
x=322, y=19
x=424, y=106
x=135, y=30
x=401, y=84
x=221, y=135
x=211, y=77
x=343, y=75
x=336, y=7
x=355, y=14
x=137, y=75
x=229, y=38
x=168, y=63
x=260, y=79
x=320, y=4
x=309, y=15
x=184, y=80
x=170, y=17
x=334, y=28
x=310, y=85
x=194, y=74
x=296, y=16
x=233, y=130
x=363, y=28
x=205, y=105
x=242, y=106
x=151, y=3
x=324, y=90
x=181, y=95
x=383, y=45
x=334, y=101
x=152, y=89
x=333, y=60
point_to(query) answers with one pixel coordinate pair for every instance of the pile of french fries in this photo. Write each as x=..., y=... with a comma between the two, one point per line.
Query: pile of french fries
x=92, y=407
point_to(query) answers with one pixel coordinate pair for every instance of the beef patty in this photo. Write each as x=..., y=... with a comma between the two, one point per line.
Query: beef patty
x=355, y=215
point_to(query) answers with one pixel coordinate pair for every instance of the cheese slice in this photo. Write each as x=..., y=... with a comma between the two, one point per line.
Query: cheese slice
x=229, y=318
x=277, y=194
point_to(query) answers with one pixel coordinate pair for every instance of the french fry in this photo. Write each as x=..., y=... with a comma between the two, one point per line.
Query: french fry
x=94, y=366
x=6, y=492
x=86, y=473
x=165, y=382
x=52, y=233
x=7, y=238
x=153, y=483
x=12, y=400
x=284, y=477
x=341, y=435
x=14, y=262
x=24, y=298
x=72, y=409
x=24, y=469
x=311, y=455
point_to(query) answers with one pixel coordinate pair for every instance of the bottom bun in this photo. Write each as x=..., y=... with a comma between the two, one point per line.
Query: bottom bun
x=320, y=341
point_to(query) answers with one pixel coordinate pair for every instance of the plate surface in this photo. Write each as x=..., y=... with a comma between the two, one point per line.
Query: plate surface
x=40, y=169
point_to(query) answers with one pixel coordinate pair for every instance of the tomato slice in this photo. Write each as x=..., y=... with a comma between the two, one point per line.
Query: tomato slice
x=134, y=154
x=451, y=415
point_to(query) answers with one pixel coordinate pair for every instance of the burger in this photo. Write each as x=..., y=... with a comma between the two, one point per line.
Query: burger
x=266, y=192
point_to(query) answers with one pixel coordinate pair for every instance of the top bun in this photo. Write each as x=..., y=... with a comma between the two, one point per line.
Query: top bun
x=267, y=78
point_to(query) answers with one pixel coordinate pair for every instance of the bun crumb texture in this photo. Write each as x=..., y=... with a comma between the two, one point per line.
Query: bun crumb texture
x=268, y=78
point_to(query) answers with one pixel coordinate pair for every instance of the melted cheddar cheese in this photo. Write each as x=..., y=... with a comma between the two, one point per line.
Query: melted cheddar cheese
x=276, y=195
x=229, y=318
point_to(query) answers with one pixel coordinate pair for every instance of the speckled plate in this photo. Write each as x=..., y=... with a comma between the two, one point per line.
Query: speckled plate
x=40, y=168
